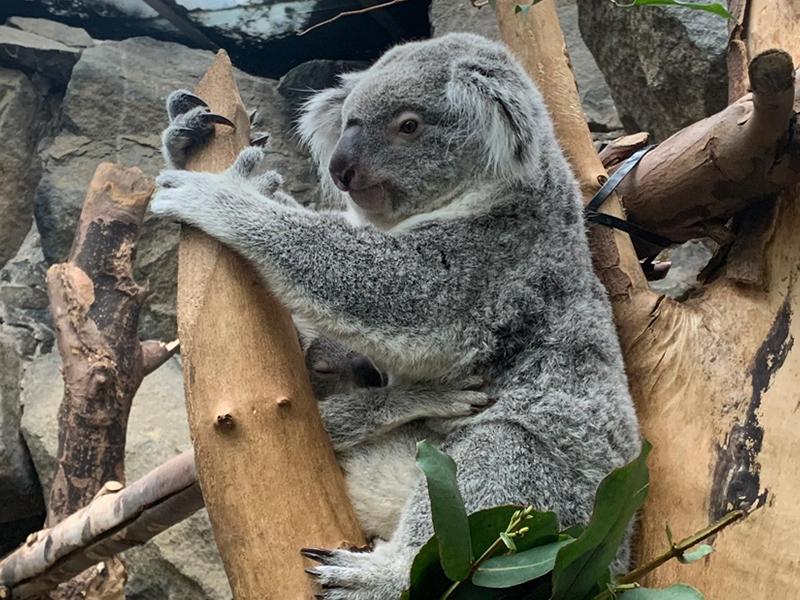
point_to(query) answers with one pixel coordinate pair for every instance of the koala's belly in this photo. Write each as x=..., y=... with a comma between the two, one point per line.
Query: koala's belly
x=380, y=476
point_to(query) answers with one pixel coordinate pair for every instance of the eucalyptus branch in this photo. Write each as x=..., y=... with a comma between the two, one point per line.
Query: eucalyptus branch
x=676, y=550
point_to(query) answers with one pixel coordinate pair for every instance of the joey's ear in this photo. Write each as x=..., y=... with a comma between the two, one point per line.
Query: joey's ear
x=498, y=103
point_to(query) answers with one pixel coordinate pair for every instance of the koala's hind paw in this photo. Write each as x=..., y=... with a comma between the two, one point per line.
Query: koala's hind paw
x=346, y=575
x=191, y=123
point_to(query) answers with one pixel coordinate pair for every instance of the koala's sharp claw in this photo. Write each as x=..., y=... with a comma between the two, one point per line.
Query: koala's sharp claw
x=182, y=101
x=312, y=572
x=252, y=115
x=215, y=118
x=260, y=139
x=317, y=554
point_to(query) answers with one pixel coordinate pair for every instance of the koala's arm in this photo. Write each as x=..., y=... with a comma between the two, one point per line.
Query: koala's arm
x=366, y=414
x=392, y=297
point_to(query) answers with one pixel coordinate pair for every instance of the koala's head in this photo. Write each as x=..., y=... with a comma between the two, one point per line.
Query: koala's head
x=334, y=369
x=423, y=123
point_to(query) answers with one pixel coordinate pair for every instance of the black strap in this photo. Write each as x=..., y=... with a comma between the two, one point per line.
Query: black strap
x=592, y=210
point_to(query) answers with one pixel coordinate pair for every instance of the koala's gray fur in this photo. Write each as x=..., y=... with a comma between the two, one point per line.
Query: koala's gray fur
x=474, y=263
x=375, y=428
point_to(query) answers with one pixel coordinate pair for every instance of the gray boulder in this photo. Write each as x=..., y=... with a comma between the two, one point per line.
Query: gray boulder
x=21, y=110
x=181, y=563
x=114, y=110
x=24, y=309
x=455, y=15
x=665, y=65
x=74, y=37
x=21, y=502
x=33, y=53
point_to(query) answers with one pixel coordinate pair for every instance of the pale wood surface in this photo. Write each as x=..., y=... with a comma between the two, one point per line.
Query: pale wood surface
x=268, y=474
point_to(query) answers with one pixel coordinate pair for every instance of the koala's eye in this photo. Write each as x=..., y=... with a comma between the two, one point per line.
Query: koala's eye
x=409, y=126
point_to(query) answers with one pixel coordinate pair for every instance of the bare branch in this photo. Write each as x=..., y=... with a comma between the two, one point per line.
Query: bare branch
x=155, y=353
x=348, y=13
x=117, y=519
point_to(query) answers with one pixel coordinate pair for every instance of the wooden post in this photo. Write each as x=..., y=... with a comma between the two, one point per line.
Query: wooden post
x=269, y=477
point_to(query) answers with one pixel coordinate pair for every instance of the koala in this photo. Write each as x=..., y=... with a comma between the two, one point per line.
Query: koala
x=375, y=426
x=469, y=259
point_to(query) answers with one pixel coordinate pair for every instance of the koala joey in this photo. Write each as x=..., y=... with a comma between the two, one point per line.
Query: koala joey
x=375, y=425
x=469, y=258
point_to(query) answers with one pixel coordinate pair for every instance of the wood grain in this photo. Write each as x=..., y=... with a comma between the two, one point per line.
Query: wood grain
x=268, y=474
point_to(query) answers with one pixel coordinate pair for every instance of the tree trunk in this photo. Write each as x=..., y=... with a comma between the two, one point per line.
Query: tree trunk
x=715, y=378
x=268, y=474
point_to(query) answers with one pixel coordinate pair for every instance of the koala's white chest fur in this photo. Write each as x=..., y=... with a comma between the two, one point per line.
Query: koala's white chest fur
x=380, y=477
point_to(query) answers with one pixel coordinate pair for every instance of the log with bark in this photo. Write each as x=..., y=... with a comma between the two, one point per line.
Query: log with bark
x=714, y=378
x=268, y=473
x=95, y=303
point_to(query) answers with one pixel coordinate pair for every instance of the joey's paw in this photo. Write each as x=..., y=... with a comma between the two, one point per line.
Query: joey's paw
x=191, y=124
x=461, y=407
x=346, y=575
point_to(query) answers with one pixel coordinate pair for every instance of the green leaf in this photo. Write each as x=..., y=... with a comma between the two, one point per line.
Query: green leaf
x=581, y=564
x=514, y=569
x=701, y=551
x=675, y=592
x=447, y=510
x=575, y=531
x=711, y=7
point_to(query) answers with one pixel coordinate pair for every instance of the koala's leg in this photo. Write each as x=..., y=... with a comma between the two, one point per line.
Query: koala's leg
x=404, y=300
x=369, y=413
x=498, y=463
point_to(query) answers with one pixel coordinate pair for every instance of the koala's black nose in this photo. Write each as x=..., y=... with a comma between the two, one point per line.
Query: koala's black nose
x=365, y=373
x=343, y=162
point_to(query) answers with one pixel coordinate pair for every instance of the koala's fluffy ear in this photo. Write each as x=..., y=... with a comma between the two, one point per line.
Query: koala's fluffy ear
x=320, y=122
x=499, y=104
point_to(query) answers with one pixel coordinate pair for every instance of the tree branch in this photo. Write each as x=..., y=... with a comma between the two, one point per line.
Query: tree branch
x=155, y=353
x=115, y=520
x=709, y=171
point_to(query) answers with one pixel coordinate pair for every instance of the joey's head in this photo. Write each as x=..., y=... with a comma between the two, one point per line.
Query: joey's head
x=334, y=369
x=424, y=124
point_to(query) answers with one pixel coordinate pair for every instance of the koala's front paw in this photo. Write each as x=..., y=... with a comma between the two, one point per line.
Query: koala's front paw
x=191, y=123
x=346, y=575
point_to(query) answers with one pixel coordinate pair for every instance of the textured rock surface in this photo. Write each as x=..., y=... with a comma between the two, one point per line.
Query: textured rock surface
x=21, y=502
x=24, y=312
x=114, y=110
x=688, y=260
x=306, y=78
x=456, y=15
x=180, y=564
x=665, y=65
x=34, y=53
x=74, y=37
x=21, y=111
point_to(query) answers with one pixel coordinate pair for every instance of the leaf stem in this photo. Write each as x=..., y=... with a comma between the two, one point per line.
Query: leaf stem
x=517, y=520
x=675, y=551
